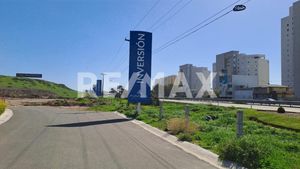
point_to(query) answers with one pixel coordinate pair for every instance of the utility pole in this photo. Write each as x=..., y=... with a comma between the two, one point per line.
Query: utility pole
x=103, y=76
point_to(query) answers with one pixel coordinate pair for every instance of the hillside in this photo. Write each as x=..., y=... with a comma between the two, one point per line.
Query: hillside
x=33, y=88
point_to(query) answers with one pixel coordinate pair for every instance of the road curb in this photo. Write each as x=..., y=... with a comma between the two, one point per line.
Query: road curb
x=5, y=116
x=195, y=150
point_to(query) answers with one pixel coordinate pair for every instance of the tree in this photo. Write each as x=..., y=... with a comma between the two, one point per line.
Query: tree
x=120, y=90
x=206, y=95
x=112, y=91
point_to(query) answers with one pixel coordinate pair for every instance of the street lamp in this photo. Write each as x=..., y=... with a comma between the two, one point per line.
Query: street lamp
x=239, y=8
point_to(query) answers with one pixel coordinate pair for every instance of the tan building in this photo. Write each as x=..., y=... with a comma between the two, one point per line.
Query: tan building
x=276, y=92
x=235, y=71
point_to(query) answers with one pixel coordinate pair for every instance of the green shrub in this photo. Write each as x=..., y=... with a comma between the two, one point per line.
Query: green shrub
x=185, y=137
x=197, y=136
x=280, y=110
x=215, y=108
x=216, y=137
x=195, y=108
x=161, y=124
x=249, y=152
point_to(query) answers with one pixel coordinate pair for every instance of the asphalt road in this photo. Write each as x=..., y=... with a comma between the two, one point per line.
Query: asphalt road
x=55, y=138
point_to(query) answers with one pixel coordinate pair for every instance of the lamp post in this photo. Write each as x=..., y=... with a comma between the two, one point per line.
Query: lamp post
x=239, y=8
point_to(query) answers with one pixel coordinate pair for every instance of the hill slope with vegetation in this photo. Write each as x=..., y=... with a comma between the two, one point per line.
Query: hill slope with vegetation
x=33, y=88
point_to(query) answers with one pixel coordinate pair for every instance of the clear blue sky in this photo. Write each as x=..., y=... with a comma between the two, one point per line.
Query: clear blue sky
x=59, y=38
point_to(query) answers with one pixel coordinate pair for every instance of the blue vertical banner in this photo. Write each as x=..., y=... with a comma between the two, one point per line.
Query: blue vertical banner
x=99, y=88
x=140, y=57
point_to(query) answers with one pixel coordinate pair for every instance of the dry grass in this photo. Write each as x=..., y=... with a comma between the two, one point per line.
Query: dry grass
x=2, y=106
x=177, y=125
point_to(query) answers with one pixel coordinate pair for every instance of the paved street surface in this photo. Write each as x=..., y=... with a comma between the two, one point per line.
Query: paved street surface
x=247, y=106
x=55, y=138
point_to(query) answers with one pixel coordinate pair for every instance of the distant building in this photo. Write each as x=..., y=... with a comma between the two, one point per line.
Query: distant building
x=243, y=94
x=276, y=92
x=239, y=72
x=166, y=81
x=192, y=78
x=290, y=49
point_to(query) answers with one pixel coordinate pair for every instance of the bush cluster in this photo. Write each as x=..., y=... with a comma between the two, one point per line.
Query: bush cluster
x=280, y=110
x=249, y=152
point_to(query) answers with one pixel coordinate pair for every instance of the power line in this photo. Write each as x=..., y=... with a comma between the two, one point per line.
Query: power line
x=191, y=29
x=117, y=53
x=143, y=18
x=139, y=23
x=194, y=29
x=164, y=15
x=174, y=14
x=170, y=10
x=155, y=4
x=246, y=2
x=160, y=49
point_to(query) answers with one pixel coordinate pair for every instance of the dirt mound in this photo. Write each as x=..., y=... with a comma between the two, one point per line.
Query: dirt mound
x=27, y=93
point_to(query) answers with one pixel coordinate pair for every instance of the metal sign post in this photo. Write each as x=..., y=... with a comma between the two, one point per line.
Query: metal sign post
x=187, y=116
x=161, y=110
x=239, y=128
x=138, y=108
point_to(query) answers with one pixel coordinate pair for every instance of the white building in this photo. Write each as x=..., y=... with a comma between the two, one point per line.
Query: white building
x=290, y=49
x=192, y=78
x=237, y=72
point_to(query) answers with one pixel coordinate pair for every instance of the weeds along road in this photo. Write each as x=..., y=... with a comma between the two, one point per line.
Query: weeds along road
x=47, y=137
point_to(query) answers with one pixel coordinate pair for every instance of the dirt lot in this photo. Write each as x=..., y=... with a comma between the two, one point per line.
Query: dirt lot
x=22, y=102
